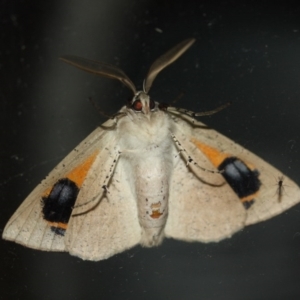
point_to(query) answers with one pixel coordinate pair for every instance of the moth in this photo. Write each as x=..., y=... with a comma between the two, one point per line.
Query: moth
x=151, y=171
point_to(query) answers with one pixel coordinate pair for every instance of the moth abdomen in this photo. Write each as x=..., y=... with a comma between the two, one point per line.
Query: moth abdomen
x=152, y=194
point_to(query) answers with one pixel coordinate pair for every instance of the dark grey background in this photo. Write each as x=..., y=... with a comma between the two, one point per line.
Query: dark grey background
x=248, y=53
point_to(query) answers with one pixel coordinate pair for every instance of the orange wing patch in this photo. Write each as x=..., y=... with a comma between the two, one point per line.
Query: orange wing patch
x=78, y=174
x=215, y=156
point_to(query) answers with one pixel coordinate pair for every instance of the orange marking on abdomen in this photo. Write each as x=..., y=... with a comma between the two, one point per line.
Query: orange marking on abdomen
x=155, y=214
x=155, y=210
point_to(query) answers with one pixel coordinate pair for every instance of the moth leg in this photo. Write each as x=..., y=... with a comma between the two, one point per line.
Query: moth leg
x=191, y=156
x=190, y=116
x=113, y=121
x=101, y=174
x=114, y=117
x=188, y=158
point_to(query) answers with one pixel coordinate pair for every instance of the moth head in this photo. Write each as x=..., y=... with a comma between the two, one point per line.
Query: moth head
x=141, y=102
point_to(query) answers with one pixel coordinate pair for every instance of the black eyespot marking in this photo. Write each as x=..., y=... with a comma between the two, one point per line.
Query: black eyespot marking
x=243, y=181
x=57, y=207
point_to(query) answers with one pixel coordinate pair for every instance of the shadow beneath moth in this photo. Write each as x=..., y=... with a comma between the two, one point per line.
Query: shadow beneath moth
x=151, y=171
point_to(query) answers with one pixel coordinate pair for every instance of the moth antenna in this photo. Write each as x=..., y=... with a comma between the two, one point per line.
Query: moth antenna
x=165, y=60
x=100, y=69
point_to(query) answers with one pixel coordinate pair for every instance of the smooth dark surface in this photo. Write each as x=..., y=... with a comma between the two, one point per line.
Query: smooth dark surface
x=245, y=53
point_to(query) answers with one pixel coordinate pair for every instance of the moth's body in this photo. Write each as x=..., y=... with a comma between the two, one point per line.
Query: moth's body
x=147, y=153
x=151, y=171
